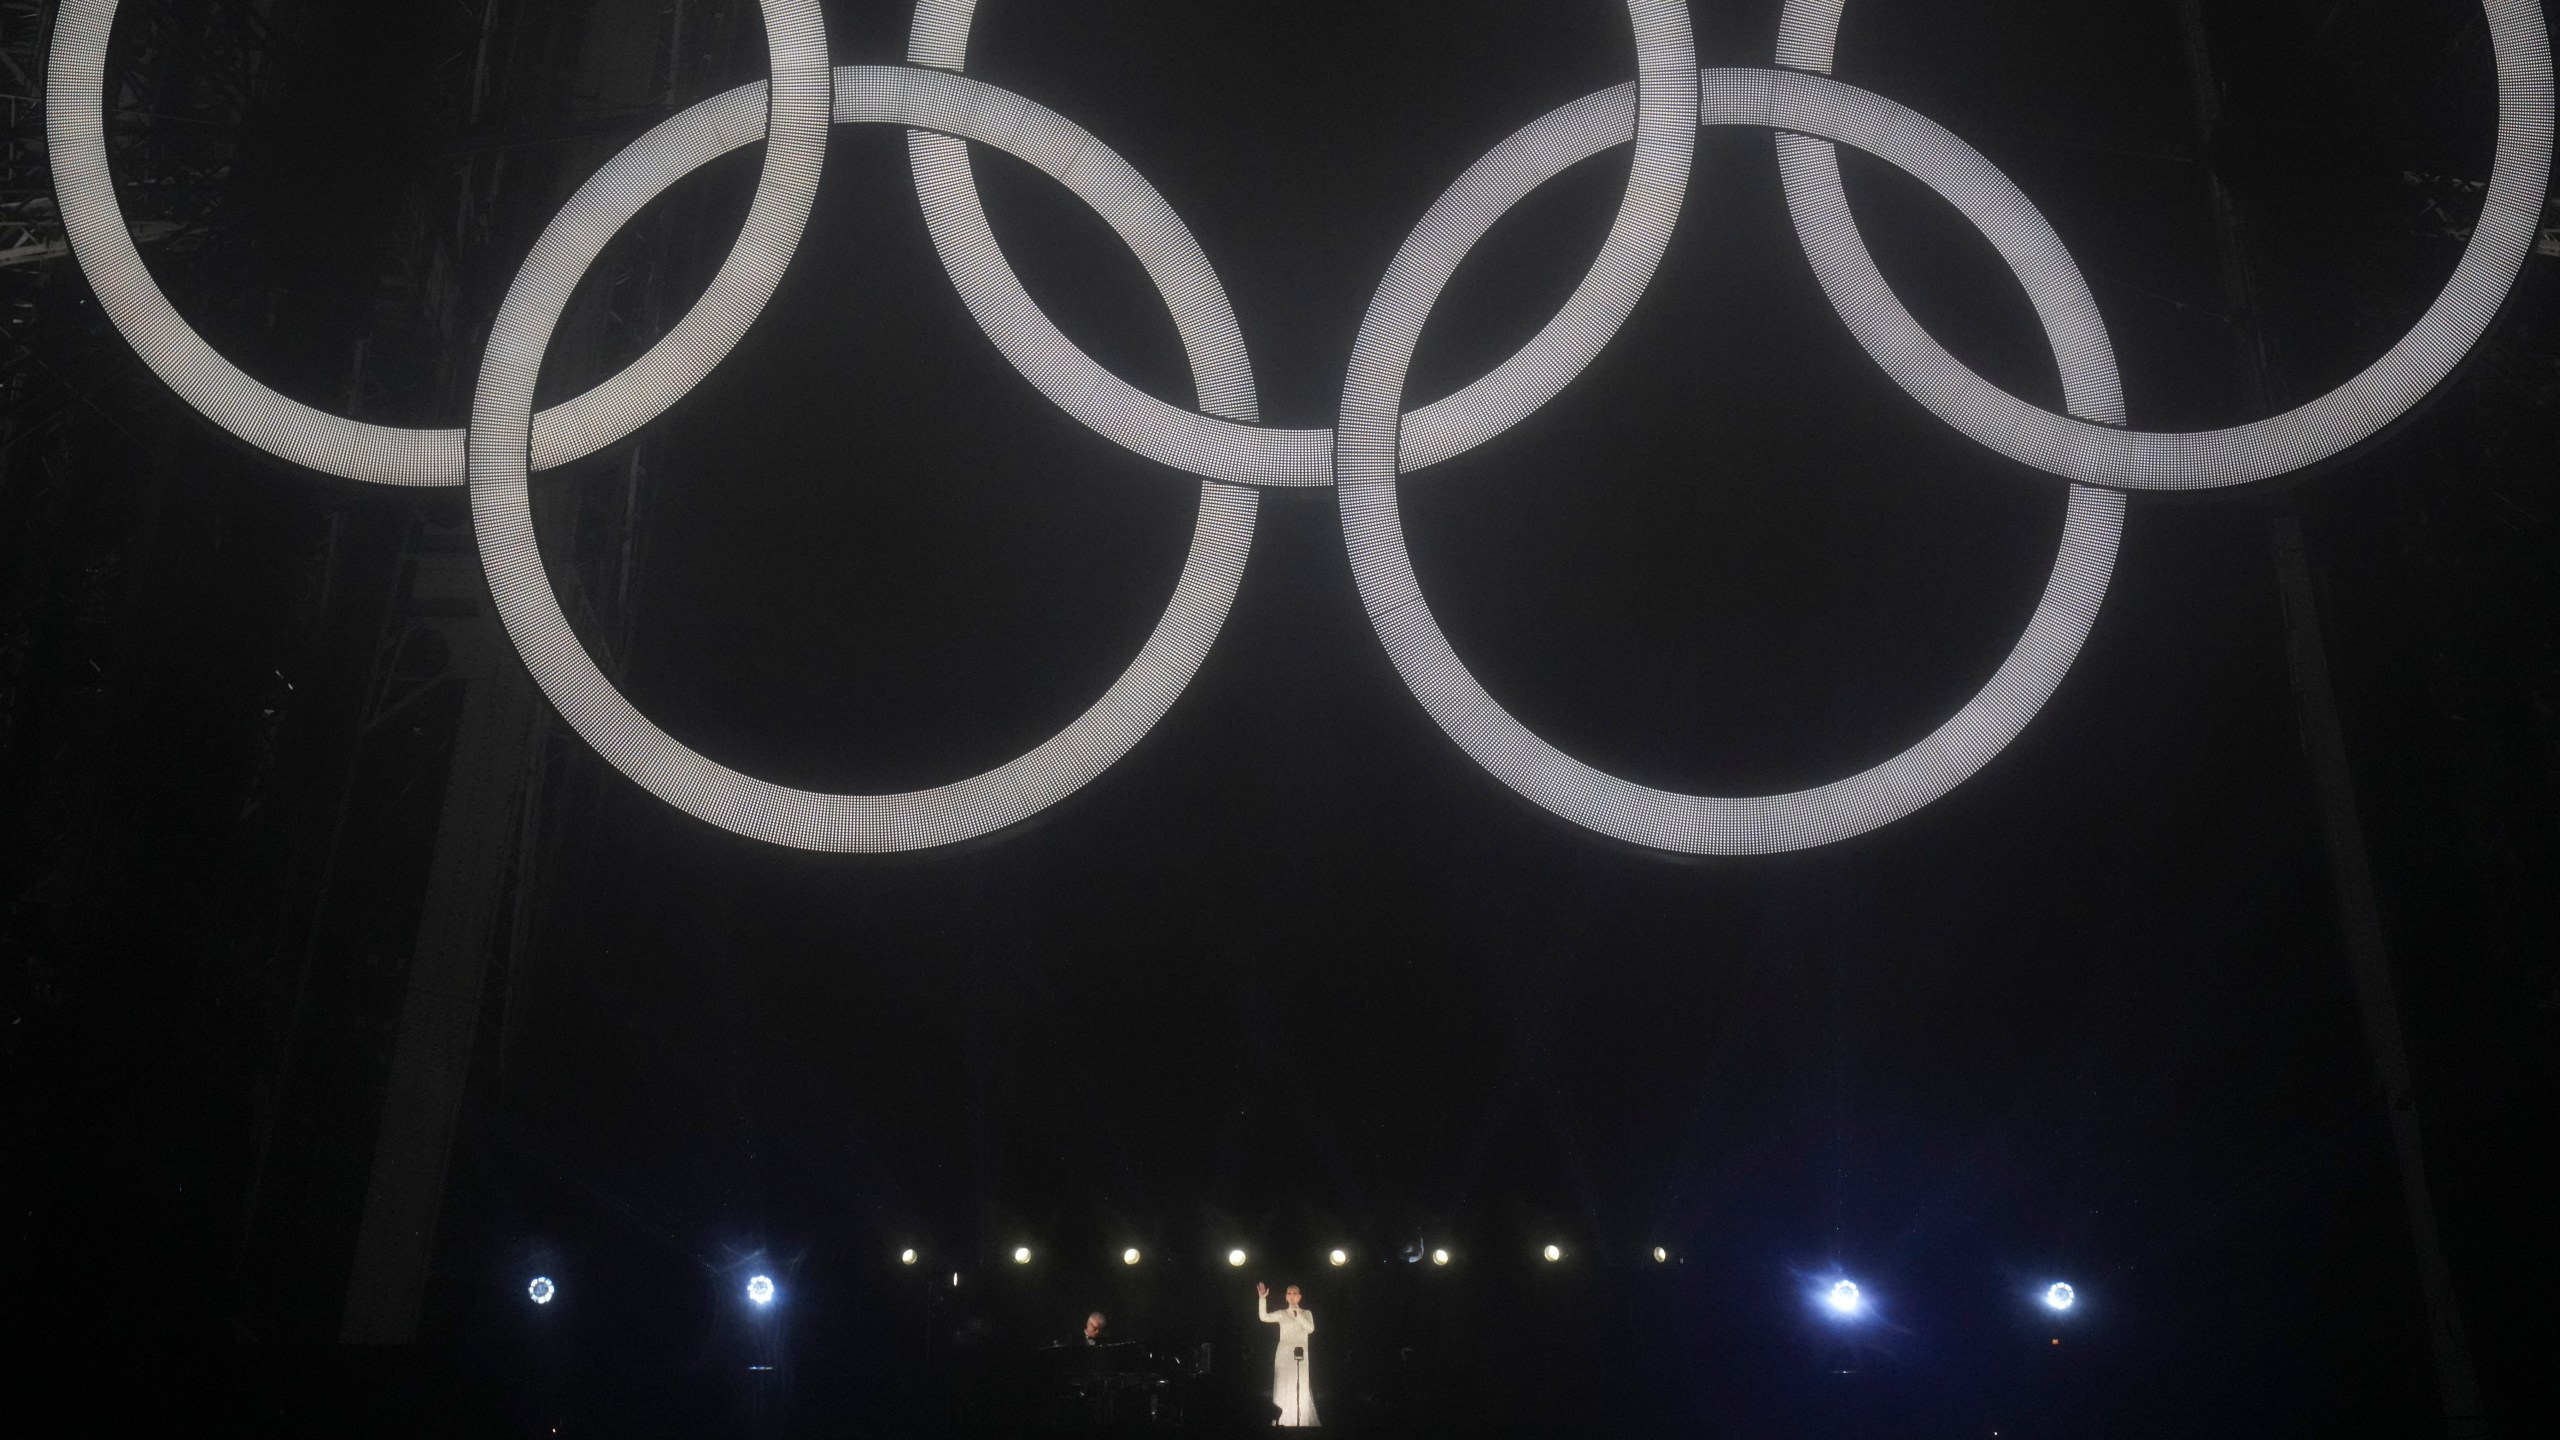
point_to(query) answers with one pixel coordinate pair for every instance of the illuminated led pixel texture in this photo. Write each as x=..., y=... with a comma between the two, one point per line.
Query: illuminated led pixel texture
x=1374, y=442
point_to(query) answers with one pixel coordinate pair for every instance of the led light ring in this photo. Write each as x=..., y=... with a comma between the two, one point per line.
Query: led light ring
x=2138, y=460
x=1237, y=450
x=1374, y=443
x=75, y=131
x=502, y=515
x=1695, y=824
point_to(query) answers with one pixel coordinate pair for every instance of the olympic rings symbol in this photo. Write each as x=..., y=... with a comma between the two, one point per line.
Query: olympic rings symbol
x=1374, y=442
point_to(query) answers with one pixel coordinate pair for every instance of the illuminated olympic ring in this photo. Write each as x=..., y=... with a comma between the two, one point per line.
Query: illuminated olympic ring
x=1373, y=443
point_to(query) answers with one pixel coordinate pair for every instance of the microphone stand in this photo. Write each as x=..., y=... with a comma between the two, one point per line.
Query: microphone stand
x=1298, y=1412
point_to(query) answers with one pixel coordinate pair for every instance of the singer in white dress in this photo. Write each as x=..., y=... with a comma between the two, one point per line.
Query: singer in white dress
x=1292, y=1388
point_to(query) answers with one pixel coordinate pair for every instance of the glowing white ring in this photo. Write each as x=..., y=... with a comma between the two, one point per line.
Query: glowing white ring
x=75, y=131
x=2140, y=460
x=1248, y=454
x=809, y=820
x=1697, y=824
x=1223, y=442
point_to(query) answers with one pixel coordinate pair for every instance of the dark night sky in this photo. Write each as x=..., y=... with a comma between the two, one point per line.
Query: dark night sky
x=1296, y=969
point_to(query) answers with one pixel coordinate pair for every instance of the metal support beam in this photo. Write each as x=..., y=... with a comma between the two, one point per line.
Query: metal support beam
x=486, y=877
x=440, y=1011
x=2325, y=748
x=2324, y=744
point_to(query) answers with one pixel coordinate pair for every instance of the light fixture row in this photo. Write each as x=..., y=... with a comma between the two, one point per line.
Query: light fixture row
x=1842, y=1297
x=1846, y=1301
x=1236, y=1258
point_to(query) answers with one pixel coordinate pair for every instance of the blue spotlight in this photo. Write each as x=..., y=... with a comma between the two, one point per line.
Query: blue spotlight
x=541, y=1290
x=1843, y=1298
x=760, y=1290
x=2059, y=1296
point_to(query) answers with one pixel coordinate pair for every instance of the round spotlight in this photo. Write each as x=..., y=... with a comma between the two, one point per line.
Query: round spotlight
x=1553, y=1252
x=1843, y=1298
x=1339, y=1258
x=1660, y=1255
x=541, y=1290
x=2059, y=1296
x=1129, y=1256
x=1439, y=1257
x=760, y=1290
x=1236, y=1258
x=906, y=1257
x=1021, y=1254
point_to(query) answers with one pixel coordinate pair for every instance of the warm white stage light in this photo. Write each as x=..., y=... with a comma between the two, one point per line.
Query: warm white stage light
x=1129, y=1256
x=1021, y=1254
x=1660, y=1255
x=760, y=1290
x=2060, y=1296
x=1236, y=1258
x=541, y=1290
x=1439, y=1257
x=906, y=1257
x=1553, y=1252
x=1844, y=1298
x=1339, y=1258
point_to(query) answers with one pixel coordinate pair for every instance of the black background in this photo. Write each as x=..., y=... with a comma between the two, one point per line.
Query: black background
x=1295, y=973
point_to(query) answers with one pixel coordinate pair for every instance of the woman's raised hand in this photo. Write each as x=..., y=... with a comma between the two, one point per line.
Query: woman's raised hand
x=1262, y=1290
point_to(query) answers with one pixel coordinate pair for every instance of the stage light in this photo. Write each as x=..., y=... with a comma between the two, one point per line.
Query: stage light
x=1843, y=1298
x=1553, y=1252
x=1339, y=1258
x=2060, y=1296
x=541, y=1290
x=1236, y=1258
x=1660, y=1255
x=1129, y=1256
x=906, y=1257
x=760, y=1290
x=1439, y=1257
x=1021, y=1254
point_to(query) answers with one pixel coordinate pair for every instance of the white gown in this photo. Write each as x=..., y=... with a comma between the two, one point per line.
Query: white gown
x=1292, y=1382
